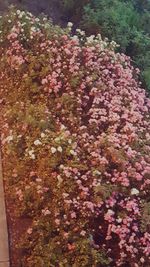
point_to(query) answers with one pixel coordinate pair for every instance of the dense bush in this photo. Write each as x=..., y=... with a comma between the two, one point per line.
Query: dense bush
x=75, y=141
x=126, y=22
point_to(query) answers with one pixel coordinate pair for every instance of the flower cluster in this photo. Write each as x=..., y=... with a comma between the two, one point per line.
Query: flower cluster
x=75, y=142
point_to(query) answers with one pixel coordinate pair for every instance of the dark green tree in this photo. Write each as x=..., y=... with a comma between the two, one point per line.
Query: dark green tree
x=126, y=22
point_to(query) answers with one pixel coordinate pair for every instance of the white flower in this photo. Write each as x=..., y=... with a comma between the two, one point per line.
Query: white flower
x=29, y=14
x=31, y=154
x=65, y=195
x=142, y=260
x=96, y=172
x=119, y=220
x=99, y=36
x=62, y=127
x=59, y=149
x=18, y=12
x=9, y=138
x=37, y=142
x=70, y=24
x=61, y=166
x=69, y=141
x=38, y=180
x=57, y=139
x=74, y=145
x=53, y=150
x=46, y=25
x=90, y=39
x=59, y=179
x=22, y=24
x=42, y=135
x=20, y=15
x=72, y=152
x=110, y=212
x=83, y=233
x=80, y=32
x=75, y=38
x=47, y=212
x=37, y=20
x=134, y=191
x=33, y=29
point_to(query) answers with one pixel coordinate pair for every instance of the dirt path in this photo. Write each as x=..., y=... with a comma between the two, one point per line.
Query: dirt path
x=4, y=248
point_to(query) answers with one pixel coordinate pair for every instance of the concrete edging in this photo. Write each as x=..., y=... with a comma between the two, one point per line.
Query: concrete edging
x=4, y=247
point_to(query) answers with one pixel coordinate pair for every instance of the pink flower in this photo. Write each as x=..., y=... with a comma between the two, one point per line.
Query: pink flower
x=57, y=221
x=73, y=215
x=83, y=233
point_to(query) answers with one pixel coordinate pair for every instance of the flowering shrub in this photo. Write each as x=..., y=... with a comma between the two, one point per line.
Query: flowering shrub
x=75, y=142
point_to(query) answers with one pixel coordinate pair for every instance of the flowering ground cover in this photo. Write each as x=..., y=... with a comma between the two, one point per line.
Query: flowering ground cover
x=75, y=134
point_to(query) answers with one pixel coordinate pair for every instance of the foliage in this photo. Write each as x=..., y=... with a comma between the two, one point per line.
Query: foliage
x=75, y=140
x=118, y=20
x=124, y=22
